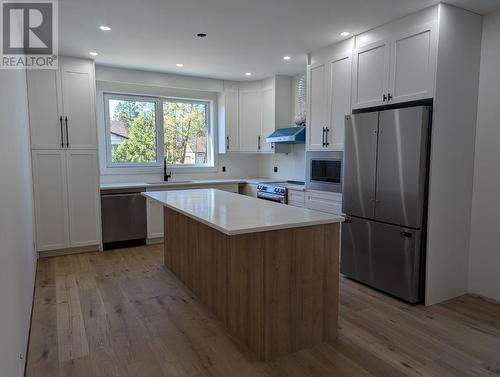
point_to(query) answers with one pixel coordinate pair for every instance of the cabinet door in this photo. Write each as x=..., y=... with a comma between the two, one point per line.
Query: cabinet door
x=324, y=202
x=83, y=197
x=370, y=75
x=413, y=64
x=268, y=117
x=155, y=219
x=44, y=99
x=78, y=88
x=317, y=116
x=340, y=101
x=360, y=164
x=231, y=121
x=51, y=200
x=250, y=120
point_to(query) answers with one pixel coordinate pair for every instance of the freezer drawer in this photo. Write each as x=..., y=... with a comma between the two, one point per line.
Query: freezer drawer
x=386, y=257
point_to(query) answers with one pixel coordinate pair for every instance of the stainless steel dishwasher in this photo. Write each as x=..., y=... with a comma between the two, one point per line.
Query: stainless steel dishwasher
x=124, y=221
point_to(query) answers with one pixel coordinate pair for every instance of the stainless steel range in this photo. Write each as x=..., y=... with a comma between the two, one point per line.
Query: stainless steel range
x=275, y=191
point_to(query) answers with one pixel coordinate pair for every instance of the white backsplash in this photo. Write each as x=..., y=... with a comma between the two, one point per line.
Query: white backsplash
x=290, y=166
x=237, y=166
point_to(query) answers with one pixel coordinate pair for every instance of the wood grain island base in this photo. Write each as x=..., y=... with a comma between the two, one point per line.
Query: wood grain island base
x=276, y=291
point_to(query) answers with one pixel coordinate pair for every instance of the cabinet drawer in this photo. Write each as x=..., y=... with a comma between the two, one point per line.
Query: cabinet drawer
x=296, y=204
x=296, y=196
x=324, y=202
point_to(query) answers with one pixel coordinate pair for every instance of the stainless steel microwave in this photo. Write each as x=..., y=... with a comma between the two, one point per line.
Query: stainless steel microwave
x=324, y=171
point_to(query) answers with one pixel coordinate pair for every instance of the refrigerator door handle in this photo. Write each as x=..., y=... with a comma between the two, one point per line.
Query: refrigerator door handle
x=406, y=234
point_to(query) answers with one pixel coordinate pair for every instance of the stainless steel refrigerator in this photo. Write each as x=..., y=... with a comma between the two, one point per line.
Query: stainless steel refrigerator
x=385, y=200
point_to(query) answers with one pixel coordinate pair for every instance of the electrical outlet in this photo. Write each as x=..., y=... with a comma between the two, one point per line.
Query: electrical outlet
x=275, y=169
x=223, y=169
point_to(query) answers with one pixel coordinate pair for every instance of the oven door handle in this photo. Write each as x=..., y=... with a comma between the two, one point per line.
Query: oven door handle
x=272, y=197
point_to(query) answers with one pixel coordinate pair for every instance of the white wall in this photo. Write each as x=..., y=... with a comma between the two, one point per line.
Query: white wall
x=484, y=252
x=17, y=256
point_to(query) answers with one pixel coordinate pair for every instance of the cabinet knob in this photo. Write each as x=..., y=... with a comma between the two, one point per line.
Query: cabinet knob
x=384, y=98
x=389, y=97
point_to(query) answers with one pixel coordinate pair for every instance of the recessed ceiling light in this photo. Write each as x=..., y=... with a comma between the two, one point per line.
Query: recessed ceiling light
x=248, y=73
x=345, y=34
x=180, y=65
x=104, y=28
x=92, y=53
x=286, y=57
x=201, y=35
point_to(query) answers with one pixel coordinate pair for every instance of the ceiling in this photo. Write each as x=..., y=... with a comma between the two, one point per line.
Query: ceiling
x=243, y=35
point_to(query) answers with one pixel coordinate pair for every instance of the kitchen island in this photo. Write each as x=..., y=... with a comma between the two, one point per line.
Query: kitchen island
x=268, y=271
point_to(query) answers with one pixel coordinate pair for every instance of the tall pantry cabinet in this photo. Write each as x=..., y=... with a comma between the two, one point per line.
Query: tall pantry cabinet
x=64, y=153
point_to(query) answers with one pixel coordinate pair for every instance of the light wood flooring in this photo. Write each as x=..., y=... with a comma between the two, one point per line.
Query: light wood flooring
x=122, y=313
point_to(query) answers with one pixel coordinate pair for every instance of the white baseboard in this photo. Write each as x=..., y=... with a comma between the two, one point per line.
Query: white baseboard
x=74, y=250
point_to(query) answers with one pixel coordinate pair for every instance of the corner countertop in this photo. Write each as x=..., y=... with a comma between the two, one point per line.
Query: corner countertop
x=183, y=183
x=234, y=214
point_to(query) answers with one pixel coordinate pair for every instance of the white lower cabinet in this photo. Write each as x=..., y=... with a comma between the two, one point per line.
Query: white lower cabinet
x=324, y=201
x=155, y=210
x=296, y=198
x=66, y=199
x=51, y=199
x=83, y=197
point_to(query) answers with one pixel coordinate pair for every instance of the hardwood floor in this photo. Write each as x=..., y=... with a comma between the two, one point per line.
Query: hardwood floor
x=122, y=313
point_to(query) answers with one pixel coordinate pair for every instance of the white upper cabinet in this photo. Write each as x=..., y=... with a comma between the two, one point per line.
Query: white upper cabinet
x=78, y=85
x=413, y=64
x=339, y=101
x=228, y=119
x=268, y=117
x=61, y=106
x=317, y=115
x=45, y=109
x=250, y=111
x=370, y=75
x=399, y=68
x=329, y=100
x=250, y=105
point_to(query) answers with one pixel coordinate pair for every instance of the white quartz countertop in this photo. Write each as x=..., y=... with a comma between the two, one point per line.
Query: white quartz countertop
x=180, y=183
x=238, y=214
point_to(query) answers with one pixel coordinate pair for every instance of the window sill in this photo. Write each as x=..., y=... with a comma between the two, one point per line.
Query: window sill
x=157, y=170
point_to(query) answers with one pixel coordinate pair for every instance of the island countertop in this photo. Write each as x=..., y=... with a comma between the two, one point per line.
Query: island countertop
x=234, y=214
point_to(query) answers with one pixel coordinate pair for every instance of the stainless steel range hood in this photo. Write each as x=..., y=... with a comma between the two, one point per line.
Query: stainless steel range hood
x=290, y=135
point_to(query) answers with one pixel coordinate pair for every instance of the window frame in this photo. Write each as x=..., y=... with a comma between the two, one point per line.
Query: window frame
x=153, y=167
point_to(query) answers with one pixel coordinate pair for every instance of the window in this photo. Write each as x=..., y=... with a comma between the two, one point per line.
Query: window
x=186, y=128
x=142, y=131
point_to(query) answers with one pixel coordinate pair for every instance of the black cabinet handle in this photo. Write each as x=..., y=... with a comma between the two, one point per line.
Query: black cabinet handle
x=67, y=133
x=389, y=97
x=227, y=144
x=62, y=132
x=406, y=234
x=258, y=142
x=326, y=136
x=323, y=137
x=384, y=98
